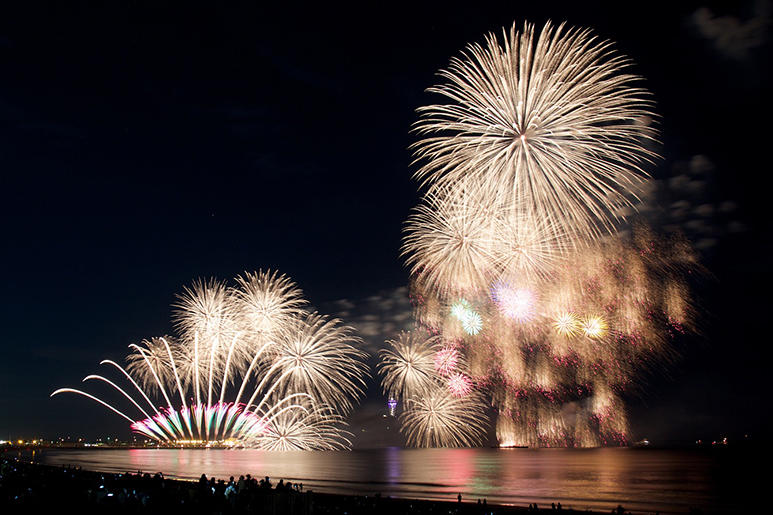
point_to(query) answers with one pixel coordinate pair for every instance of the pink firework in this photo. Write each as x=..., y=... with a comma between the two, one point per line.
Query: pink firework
x=517, y=304
x=446, y=360
x=459, y=384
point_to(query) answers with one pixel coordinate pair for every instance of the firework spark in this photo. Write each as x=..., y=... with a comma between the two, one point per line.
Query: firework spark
x=465, y=236
x=517, y=304
x=301, y=371
x=408, y=368
x=317, y=359
x=594, y=326
x=446, y=360
x=513, y=250
x=470, y=319
x=548, y=116
x=459, y=384
x=567, y=324
x=442, y=419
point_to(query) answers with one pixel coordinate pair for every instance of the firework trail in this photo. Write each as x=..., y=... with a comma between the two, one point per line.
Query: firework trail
x=409, y=366
x=440, y=405
x=316, y=429
x=548, y=117
x=269, y=303
x=579, y=338
x=317, y=360
x=295, y=375
x=442, y=419
x=545, y=313
x=463, y=237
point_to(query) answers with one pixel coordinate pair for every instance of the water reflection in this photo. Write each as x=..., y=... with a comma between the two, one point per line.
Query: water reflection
x=642, y=480
x=391, y=461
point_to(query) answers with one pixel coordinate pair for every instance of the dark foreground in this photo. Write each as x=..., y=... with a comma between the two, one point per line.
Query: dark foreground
x=38, y=489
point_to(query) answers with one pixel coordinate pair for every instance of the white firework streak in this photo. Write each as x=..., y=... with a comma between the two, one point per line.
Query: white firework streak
x=548, y=116
x=441, y=419
x=301, y=371
x=409, y=366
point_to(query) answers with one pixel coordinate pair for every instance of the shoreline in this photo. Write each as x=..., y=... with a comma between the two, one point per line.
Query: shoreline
x=26, y=487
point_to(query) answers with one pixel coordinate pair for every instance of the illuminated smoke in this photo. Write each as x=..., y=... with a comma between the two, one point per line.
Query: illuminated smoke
x=514, y=251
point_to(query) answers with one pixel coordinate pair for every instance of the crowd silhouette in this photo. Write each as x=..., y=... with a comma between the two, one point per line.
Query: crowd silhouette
x=31, y=488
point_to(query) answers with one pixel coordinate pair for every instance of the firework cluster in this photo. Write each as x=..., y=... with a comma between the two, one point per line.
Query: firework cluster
x=249, y=367
x=531, y=301
x=440, y=406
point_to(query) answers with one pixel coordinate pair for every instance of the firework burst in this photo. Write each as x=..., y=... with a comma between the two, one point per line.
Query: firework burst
x=514, y=253
x=316, y=429
x=446, y=360
x=548, y=116
x=408, y=368
x=316, y=358
x=442, y=419
x=517, y=304
x=459, y=384
x=301, y=371
x=465, y=236
x=269, y=303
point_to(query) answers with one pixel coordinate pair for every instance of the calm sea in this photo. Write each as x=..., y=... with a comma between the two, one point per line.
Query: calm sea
x=643, y=480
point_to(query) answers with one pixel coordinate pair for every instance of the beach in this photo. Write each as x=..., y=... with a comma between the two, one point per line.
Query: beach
x=34, y=488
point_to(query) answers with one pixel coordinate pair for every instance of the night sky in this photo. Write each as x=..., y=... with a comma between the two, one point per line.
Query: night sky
x=144, y=145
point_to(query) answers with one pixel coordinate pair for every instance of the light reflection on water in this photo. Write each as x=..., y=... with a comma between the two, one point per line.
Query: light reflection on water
x=642, y=480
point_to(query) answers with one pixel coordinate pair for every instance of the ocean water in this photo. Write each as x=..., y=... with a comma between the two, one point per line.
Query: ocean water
x=714, y=480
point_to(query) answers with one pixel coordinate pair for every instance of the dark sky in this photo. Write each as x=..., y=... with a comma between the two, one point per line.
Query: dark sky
x=147, y=144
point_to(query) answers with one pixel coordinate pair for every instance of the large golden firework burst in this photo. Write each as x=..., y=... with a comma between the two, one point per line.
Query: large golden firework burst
x=515, y=253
